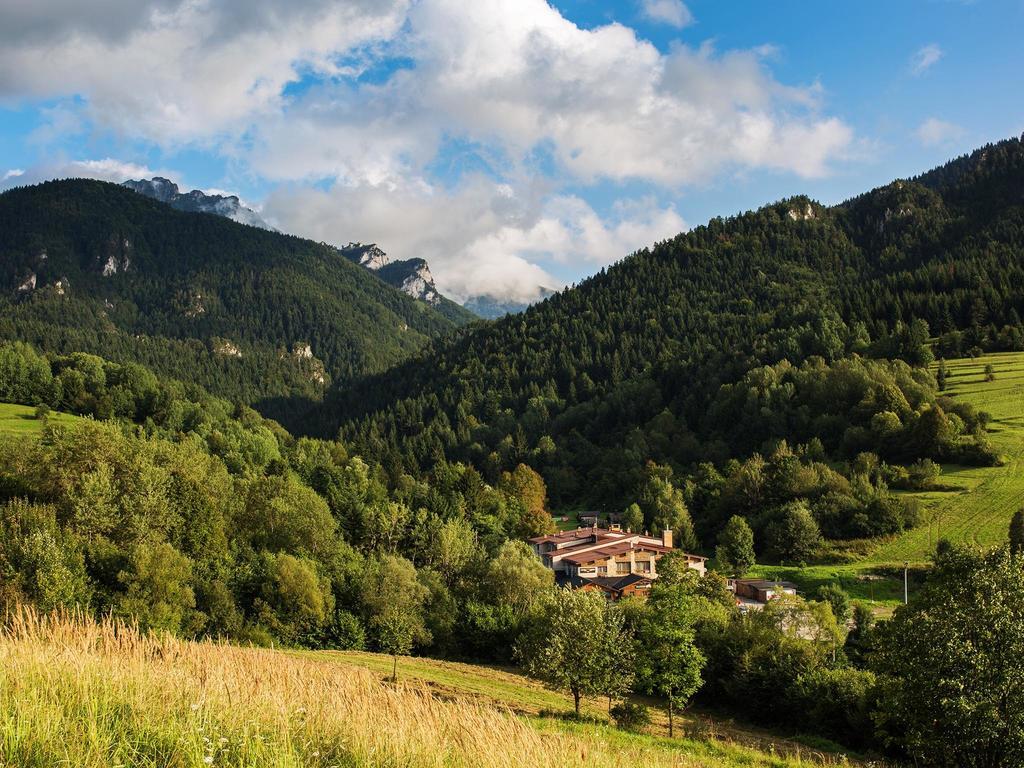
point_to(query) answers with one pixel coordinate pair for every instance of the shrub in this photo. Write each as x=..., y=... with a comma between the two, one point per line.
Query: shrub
x=631, y=716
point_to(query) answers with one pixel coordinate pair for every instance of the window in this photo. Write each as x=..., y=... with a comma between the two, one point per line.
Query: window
x=602, y=570
x=643, y=566
x=622, y=567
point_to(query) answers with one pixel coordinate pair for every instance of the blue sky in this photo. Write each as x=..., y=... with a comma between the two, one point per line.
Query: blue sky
x=512, y=143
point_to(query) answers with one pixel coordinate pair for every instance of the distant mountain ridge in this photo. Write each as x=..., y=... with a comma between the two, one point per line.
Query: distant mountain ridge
x=248, y=313
x=410, y=276
x=491, y=307
x=197, y=201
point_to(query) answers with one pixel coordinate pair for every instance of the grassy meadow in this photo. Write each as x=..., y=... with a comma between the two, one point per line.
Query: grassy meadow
x=974, y=505
x=18, y=420
x=983, y=499
x=75, y=692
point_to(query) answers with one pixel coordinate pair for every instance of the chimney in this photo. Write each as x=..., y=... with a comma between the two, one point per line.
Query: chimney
x=666, y=537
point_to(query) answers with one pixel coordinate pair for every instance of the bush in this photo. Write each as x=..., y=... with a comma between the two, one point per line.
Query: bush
x=837, y=703
x=631, y=716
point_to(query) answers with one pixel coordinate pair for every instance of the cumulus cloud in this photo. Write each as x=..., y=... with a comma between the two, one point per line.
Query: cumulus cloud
x=519, y=75
x=512, y=80
x=479, y=238
x=671, y=12
x=604, y=103
x=182, y=71
x=934, y=132
x=925, y=58
x=105, y=169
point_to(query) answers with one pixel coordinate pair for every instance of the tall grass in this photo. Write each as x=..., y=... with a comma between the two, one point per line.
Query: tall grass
x=77, y=692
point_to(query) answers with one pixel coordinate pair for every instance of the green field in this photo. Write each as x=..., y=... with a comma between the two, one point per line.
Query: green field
x=975, y=506
x=21, y=420
x=978, y=511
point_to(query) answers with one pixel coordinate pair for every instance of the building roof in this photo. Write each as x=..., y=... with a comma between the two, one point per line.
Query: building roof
x=612, y=549
x=765, y=583
x=580, y=533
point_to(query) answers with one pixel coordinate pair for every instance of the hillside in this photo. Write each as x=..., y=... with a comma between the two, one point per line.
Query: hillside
x=96, y=694
x=629, y=366
x=975, y=504
x=250, y=314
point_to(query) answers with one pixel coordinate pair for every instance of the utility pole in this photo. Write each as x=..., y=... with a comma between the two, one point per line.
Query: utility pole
x=906, y=595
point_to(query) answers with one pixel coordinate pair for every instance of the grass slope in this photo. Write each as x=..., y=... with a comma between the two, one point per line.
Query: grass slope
x=75, y=692
x=974, y=507
x=18, y=420
x=978, y=511
x=506, y=688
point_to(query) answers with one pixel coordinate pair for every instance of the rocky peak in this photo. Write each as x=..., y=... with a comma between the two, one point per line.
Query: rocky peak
x=418, y=282
x=370, y=256
x=158, y=188
x=805, y=214
x=197, y=201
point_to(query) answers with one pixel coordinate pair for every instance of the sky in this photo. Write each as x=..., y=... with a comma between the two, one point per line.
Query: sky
x=513, y=144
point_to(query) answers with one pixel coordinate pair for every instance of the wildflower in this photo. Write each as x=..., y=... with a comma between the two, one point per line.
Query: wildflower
x=208, y=759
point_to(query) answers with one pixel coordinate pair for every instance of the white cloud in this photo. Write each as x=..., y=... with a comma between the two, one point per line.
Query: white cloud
x=925, y=58
x=510, y=79
x=187, y=71
x=510, y=75
x=106, y=169
x=479, y=238
x=934, y=132
x=604, y=103
x=671, y=12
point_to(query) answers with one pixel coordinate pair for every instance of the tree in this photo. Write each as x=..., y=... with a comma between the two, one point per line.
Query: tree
x=837, y=599
x=951, y=663
x=575, y=644
x=633, y=518
x=527, y=486
x=941, y=375
x=735, y=551
x=990, y=372
x=393, y=604
x=664, y=507
x=294, y=603
x=1017, y=532
x=157, y=591
x=517, y=578
x=859, y=640
x=670, y=662
x=794, y=535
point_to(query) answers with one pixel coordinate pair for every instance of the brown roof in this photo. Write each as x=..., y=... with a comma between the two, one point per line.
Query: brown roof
x=765, y=583
x=610, y=550
x=561, y=536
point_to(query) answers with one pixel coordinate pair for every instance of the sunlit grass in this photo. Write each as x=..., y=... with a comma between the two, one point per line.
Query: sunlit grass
x=21, y=420
x=979, y=509
x=81, y=693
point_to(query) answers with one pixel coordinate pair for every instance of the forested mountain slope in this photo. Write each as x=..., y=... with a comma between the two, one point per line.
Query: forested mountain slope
x=250, y=314
x=630, y=366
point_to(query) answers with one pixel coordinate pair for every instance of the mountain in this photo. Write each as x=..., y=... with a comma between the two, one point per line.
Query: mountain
x=251, y=314
x=410, y=276
x=492, y=307
x=197, y=201
x=673, y=354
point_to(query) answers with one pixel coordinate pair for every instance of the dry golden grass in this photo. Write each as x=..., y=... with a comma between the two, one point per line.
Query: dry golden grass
x=75, y=692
